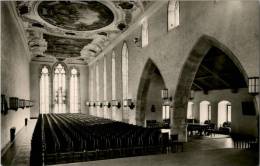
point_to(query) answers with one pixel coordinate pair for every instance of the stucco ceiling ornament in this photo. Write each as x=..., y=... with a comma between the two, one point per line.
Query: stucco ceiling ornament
x=100, y=21
x=57, y=17
x=37, y=45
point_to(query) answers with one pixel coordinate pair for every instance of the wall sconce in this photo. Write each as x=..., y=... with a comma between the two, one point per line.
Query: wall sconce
x=253, y=85
x=116, y=103
x=164, y=95
x=137, y=41
x=128, y=103
x=94, y=104
x=131, y=105
x=100, y=104
x=108, y=105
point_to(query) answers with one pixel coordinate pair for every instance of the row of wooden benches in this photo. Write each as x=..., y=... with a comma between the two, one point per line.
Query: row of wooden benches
x=83, y=135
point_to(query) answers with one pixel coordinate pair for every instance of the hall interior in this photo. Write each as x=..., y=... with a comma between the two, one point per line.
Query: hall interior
x=130, y=82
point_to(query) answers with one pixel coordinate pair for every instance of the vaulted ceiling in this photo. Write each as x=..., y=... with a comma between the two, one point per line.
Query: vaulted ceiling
x=75, y=30
x=217, y=71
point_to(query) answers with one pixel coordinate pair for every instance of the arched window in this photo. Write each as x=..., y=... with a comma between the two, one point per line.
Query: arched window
x=97, y=82
x=91, y=88
x=105, y=79
x=44, y=91
x=205, y=111
x=113, y=76
x=74, y=91
x=190, y=113
x=97, y=89
x=59, y=87
x=125, y=71
x=105, y=87
x=224, y=112
x=173, y=14
x=144, y=32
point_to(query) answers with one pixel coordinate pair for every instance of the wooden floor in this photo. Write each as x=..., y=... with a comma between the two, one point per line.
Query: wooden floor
x=199, y=151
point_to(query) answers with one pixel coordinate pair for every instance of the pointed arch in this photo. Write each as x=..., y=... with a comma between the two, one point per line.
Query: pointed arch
x=45, y=89
x=74, y=90
x=60, y=73
x=189, y=70
x=149, y=68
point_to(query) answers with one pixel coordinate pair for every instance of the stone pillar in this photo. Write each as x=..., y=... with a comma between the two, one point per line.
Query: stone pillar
x=180, y=127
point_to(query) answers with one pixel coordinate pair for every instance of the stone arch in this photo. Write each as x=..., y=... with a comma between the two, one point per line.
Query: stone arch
x=188, y=73
x=149, y=68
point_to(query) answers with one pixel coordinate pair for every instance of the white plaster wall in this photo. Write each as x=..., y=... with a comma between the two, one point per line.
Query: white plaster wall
x=240, y=123
x=235, y=24
x=14, y=73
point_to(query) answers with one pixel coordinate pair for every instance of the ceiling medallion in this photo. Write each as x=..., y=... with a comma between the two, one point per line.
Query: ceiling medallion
x=77, y=16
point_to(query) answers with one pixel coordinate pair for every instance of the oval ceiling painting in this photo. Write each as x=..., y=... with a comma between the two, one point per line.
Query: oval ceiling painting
x=78, y=16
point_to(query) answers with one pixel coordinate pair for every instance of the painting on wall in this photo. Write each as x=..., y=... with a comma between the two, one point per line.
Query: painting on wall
x=78, y=16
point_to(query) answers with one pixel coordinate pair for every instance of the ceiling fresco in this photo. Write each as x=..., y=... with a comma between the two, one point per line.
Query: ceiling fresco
x=65, y=47
x=79, y=16
x=75, y=30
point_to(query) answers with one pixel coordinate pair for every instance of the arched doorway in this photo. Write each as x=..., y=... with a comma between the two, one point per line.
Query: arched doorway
x=149, y=95
x=210, y=67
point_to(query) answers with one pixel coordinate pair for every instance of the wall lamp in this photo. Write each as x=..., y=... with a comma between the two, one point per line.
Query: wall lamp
x=128, y=103
x=165, y=96
x=253, y=85
x=107, y=104
x=116, y=103
x=137, y=41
